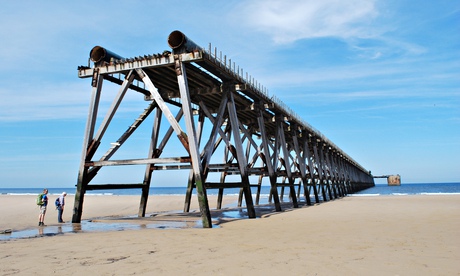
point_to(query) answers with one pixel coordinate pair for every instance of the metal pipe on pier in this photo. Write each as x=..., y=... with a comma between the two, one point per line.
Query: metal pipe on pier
x=99, y=54
x=181, y=43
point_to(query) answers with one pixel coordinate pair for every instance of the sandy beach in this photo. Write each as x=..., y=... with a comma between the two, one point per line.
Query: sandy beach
x=386, y=235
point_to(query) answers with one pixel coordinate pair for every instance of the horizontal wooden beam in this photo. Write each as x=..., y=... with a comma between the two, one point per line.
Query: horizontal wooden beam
x=286, y=184
x=143, y=161
x=114, y=186
x=137, y=63
x=218, y=185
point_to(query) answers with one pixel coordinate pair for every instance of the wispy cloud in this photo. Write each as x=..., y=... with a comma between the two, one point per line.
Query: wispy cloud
x=366, y=26
x=290, y=20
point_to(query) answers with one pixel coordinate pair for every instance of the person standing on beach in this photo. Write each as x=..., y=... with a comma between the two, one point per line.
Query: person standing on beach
x=44, y=203
x=60, y=207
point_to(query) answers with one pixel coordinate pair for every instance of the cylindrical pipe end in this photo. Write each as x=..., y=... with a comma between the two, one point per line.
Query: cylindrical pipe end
x=99, y=54
x=176, y=39
x=180, y=43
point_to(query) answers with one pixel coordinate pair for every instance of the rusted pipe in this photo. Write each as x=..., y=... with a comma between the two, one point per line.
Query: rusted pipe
x=99, y=54
x=181, y=44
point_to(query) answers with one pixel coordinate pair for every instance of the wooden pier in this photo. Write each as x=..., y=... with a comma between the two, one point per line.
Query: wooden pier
x=226, y=123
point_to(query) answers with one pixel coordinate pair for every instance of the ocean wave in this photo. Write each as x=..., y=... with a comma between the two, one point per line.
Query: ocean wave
x=34, y=194
x=99, y=194
x=439, y=193
x=20, y=194
x=169, y=195
x=362, y=195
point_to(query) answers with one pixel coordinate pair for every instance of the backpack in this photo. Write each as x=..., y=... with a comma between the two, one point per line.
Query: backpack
x=39, y=200
x=57, y=202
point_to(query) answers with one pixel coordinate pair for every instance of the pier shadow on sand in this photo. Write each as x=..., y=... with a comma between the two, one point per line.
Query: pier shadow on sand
x=164, y=220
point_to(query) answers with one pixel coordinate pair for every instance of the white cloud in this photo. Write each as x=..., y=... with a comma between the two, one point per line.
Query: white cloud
x=290, y=20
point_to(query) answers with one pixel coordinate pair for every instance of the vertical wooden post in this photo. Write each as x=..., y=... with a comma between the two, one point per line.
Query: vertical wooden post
x=330, y=175
x=287, y=165
x=307, y=152
x=87, y=140
x=347, y=176
x=325, y=167
x=259, y=188
x=338, y=181
x=302, y=164
x=192, y=142
x=211, y=144
x=335, y=173
x=148, y=170
x=320, y=168
x=223, y=174
x=241, y=158
x=267, y=159
x=220, y=193
x=246, y=157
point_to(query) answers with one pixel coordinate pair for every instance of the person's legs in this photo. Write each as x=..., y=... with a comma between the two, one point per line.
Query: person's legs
x=60, y=214
x=41, y=217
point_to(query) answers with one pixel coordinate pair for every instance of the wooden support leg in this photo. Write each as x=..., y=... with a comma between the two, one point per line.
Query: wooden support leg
x=189, y=192
x=198, y=174
x=329, y=189
x=220, y=197
x=241, y=158
x=315, y=191
x=259, y=188
x=240, y=197
x=283, y=145
x=148, y=170
x=90, y=125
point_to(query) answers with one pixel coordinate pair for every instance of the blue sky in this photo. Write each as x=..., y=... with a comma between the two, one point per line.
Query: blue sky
x=381, y=79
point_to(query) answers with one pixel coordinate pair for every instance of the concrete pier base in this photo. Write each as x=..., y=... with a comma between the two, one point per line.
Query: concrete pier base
x=394, y=180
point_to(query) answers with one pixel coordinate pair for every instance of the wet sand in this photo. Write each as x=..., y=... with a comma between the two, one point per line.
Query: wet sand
x=388, y=235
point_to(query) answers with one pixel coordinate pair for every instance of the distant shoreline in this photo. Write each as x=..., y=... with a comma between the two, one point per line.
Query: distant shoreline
x=420, y=188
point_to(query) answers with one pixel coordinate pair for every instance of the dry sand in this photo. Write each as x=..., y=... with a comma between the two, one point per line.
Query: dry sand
x=388, y=235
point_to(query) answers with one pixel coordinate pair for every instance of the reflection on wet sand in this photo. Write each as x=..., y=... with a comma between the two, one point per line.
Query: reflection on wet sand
x=157, y=220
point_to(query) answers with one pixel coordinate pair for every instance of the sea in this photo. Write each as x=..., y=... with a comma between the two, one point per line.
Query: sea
x=377, y=190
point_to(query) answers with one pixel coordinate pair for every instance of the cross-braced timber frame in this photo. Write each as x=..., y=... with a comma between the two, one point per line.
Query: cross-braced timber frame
x=254, y=133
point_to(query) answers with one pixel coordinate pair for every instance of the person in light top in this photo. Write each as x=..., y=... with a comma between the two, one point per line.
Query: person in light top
x=60, y=207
